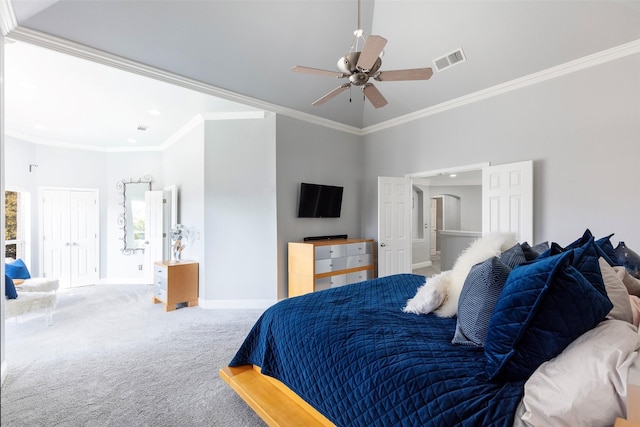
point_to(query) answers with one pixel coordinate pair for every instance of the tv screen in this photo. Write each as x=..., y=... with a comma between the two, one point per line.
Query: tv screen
x=319, y=201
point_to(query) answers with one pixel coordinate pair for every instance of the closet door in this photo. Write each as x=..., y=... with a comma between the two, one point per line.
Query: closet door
x=83, y=229
x=69, y=224
x=56, y=235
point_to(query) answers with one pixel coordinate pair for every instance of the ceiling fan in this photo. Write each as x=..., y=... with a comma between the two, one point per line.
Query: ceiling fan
x=361, y=66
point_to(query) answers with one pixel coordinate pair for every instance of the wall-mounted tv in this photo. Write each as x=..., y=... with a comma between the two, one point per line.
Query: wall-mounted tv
x=319, y=201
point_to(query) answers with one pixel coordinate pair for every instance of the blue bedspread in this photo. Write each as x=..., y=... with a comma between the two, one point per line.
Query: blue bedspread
x=358, y=359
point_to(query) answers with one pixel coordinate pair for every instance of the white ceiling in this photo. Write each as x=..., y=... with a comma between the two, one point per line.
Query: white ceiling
x=243, y=50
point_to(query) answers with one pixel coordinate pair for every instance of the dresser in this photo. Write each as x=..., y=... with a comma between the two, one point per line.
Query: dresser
x=324, y=264
x=175, y=283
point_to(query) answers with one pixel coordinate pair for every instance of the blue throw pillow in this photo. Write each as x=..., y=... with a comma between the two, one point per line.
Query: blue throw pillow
x=9, y=288
x=17, y=270
x=478, y=298
x=603, y=246
x=543, y=307
x=585, y=259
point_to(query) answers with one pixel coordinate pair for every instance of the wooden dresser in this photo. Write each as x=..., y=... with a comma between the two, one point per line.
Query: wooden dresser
x=324, y=264
x=175, y=283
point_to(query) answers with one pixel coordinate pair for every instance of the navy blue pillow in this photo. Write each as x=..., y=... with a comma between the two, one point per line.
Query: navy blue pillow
x=585, y=259
x=17, y=270
x=9, y=288
x=478, y=298
x=603, y=246
x=544, y=306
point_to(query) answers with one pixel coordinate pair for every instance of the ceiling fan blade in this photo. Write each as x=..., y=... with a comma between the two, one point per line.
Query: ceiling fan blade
x=331, y=94
x=317, y=71
x=373, y=95
x=370, y=52
x=411, y=74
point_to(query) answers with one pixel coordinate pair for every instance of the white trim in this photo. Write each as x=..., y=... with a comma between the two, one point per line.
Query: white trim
x=217, y=304
x=455, y=169
x=423, y=264
x=8, y=21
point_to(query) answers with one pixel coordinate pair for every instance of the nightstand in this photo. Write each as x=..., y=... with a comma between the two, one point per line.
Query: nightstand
x=175, y=283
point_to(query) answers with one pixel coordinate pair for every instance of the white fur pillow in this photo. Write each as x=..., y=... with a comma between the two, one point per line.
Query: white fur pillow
x=441, y=292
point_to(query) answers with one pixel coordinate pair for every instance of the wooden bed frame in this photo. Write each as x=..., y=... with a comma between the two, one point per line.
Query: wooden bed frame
x=278, y=406
x=273, y=401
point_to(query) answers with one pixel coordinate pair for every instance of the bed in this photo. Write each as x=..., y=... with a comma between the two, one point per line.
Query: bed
x=350, y=356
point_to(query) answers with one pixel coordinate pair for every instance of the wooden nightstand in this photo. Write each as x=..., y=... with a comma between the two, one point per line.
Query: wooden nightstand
x=175, y=283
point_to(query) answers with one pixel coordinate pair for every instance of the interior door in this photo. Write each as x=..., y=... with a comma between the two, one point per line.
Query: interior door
x=154, y=231
x=83, y=230
x=432, y=227
x=69, y=223
x=56, y=235
x=394, y=225
x=507, y=199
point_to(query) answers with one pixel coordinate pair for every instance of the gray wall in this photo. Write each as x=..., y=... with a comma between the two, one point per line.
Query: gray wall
x=581, y=130
x=315, y=154
x=240, y=210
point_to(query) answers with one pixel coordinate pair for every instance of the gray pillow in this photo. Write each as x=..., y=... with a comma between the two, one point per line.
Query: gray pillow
x=513, y=256
x=478, y=298
x=617, y=293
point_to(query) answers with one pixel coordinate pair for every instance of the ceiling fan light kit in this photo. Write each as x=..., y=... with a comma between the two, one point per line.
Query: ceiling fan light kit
x=361, y=66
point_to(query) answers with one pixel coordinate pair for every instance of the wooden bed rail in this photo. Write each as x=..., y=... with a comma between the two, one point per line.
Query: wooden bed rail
x=273, y=401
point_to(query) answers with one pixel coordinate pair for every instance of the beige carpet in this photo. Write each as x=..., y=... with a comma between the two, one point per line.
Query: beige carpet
x=112, y=358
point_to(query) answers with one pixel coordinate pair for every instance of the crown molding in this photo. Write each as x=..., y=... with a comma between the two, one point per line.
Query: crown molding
x=588, y=61
x=8, y=22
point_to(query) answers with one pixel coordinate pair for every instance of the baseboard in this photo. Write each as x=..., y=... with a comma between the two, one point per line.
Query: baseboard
x=236, y=304
x=421, y=265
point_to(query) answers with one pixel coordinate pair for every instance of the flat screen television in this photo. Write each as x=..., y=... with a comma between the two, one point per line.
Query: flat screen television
x=319, y=201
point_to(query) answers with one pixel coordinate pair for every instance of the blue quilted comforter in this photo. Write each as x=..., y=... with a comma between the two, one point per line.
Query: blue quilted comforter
x=354, y=355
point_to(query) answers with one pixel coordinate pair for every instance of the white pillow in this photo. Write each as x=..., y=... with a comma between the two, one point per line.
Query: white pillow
x=586, y=384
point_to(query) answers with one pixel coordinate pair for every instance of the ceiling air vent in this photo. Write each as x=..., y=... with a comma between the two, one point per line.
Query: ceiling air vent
x=143, y=127
x=449, y=60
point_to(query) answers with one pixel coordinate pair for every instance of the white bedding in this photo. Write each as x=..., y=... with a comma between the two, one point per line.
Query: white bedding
x=586, y=385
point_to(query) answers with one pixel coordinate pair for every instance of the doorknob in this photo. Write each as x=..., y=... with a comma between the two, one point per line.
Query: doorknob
x=382, y=245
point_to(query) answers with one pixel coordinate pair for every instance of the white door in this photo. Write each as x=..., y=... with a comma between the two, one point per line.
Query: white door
x=83, y=230
x=507, y=199
x=153, y=231
x=394, y=225
x=432, y=229
x=69, y=223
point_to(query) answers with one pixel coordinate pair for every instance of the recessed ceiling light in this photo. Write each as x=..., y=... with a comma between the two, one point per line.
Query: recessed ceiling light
x=453, y=175
x=154, y=112
x=131, y=140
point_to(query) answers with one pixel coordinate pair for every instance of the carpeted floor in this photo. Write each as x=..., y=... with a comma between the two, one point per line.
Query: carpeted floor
x=112, y=358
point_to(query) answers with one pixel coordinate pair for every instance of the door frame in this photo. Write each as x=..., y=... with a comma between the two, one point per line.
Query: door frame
x=421, y=178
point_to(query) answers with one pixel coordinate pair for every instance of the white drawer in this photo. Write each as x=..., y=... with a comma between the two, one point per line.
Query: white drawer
x=327, y=265
x=160, y=282
x=358, y=261
x=359, y=276
x=161, y=294
x=359, y=248
x=330, y=282
x=331, y=251
x=160, y=270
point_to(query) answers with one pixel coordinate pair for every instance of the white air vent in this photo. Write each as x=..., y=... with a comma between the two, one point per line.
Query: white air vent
x=143, y=127
x=449, y=60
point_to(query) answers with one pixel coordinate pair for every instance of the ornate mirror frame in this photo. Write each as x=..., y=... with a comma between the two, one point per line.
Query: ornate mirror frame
x=125, y=188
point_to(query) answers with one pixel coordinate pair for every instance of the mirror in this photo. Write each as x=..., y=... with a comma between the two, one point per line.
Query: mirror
x=132, y=218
